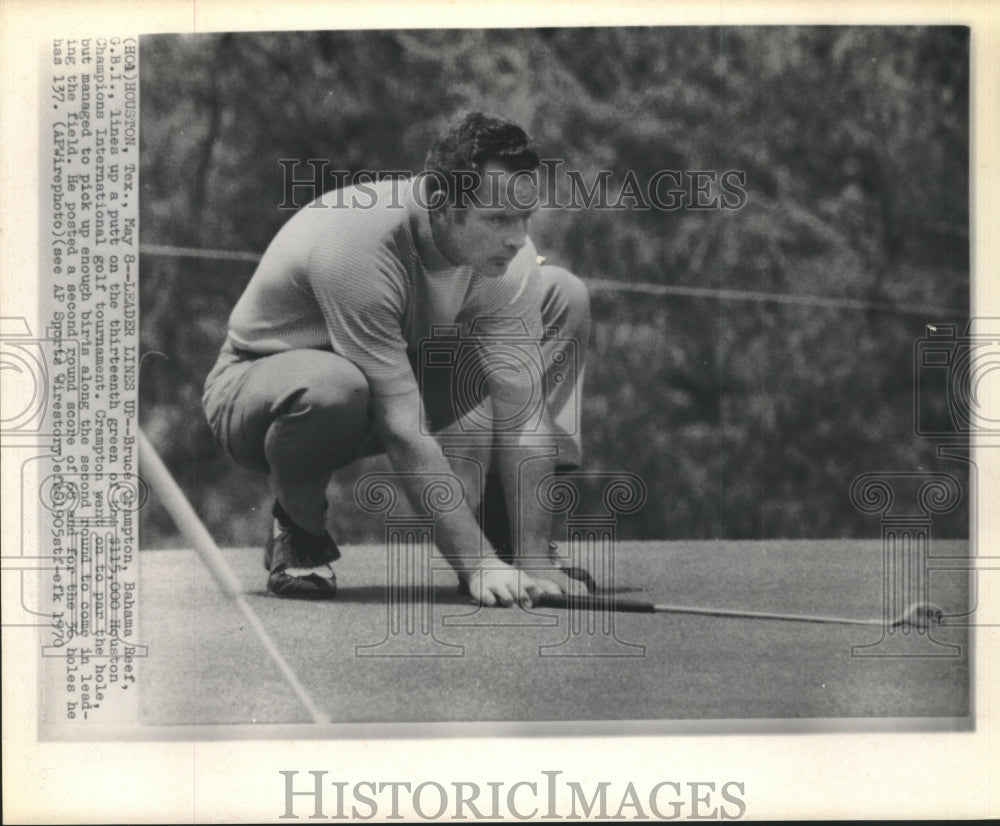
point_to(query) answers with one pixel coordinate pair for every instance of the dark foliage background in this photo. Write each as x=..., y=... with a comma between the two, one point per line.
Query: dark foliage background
x=746, y=419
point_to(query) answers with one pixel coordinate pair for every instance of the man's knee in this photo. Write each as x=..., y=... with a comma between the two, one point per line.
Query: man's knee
x=323, y=416
x=325, y=385
x=340, y=402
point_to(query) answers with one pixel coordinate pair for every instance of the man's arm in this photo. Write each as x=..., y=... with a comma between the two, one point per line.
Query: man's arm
x=457, y=534
x=530, y=459
x=524, y=459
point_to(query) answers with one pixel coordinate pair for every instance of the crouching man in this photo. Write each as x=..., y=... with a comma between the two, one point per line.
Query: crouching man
x=321, y=364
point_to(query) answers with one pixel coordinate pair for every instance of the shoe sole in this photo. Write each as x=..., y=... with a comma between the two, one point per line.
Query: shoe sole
x=296, y=587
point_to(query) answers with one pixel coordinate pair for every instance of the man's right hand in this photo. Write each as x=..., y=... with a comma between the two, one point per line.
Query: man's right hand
x=493, y=583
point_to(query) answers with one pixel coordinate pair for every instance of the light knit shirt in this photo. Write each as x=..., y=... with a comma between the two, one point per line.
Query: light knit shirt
x=368, y=282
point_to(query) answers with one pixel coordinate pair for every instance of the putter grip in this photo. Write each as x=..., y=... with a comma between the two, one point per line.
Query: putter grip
x=595, y=603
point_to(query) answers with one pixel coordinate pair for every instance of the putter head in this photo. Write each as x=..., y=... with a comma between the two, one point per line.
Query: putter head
x=921, y=615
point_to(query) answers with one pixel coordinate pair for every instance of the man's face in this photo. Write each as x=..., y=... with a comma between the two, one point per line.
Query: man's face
x=493, y=227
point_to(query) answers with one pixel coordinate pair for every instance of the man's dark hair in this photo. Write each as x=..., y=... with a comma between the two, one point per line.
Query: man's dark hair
x=465, y=148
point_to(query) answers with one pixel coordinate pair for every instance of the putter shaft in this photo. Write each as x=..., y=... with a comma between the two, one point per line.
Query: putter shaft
x=634, y=606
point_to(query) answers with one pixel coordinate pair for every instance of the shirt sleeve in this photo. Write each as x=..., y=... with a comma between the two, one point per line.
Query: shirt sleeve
x=363, y=305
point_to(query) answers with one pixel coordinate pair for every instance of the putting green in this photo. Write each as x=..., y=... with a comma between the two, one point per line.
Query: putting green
x=493, y=665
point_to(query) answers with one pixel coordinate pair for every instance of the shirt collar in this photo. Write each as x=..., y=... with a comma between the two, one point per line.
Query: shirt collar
x=431, y=257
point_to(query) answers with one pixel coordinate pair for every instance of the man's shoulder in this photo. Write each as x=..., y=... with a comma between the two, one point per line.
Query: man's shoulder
x=349, y=222
x=385, y=203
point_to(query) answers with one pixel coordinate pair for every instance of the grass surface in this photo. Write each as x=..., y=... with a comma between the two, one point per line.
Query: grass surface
x=206, y=666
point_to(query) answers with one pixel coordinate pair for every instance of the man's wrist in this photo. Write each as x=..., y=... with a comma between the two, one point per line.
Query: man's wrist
x=467, y=567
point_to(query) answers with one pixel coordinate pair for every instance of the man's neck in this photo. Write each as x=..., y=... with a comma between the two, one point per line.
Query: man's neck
x=439, y=232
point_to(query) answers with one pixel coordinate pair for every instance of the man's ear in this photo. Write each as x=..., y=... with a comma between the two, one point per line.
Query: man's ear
x=437, y=200
x=438, y=203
